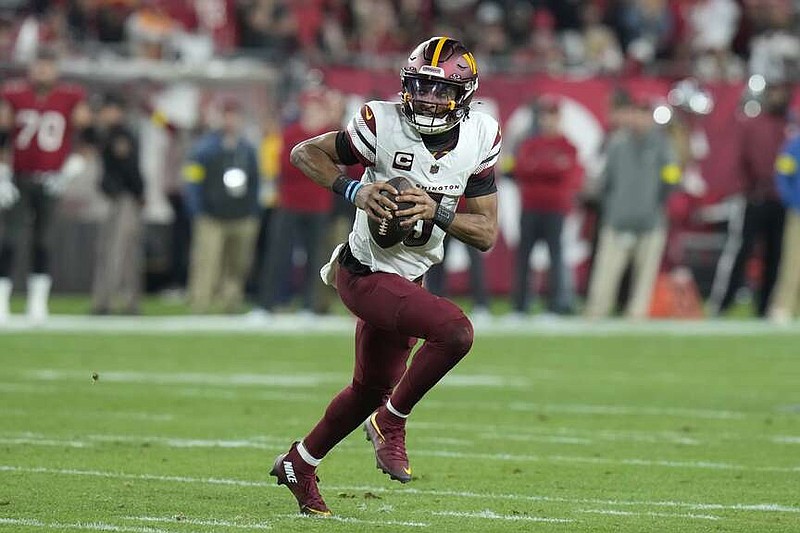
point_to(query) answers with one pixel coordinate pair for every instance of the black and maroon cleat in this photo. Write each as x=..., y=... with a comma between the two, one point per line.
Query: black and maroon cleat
x=388, y=436
x=300, y=478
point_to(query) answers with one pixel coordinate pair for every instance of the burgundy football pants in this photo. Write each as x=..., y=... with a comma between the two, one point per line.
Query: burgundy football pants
x=393, y=313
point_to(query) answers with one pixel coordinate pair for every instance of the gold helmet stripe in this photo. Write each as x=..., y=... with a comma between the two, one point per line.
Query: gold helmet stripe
x=471, y=62
x=438, y=51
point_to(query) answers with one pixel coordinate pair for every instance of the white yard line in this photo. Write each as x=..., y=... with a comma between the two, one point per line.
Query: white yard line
x=312, y=381
x=344, y=325
x=351, y=520
x=214, y=522
x=277, y=443
x=785, y=439
x=88, y=526
x=614, y=512
x=491, y=515
x=760, y=507
x=289, y=380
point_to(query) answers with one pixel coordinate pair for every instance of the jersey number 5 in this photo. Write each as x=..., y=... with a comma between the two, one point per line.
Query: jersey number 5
x=47, y=127
x=421, y=238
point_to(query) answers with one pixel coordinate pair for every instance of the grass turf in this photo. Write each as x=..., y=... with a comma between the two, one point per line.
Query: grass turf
x=629, y=433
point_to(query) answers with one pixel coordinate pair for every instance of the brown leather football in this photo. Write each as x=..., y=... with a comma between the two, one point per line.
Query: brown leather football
x=388, y=233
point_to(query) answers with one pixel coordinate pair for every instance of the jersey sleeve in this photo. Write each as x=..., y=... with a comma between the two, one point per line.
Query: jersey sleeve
x=482, y=180
x=486, y=166
x=361, y=133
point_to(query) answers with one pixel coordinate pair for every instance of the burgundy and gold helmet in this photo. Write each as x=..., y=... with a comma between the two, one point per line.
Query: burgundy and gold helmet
x=439, y=80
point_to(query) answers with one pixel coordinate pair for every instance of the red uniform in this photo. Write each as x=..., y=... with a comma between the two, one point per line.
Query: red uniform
x=43, y=125
x=548, y=174
x=297, y=192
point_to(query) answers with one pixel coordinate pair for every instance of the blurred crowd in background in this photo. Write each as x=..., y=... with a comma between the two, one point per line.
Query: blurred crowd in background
x=709, y=39
x=201, y=156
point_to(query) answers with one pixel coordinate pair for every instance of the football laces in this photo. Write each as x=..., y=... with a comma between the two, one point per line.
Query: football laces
x=383, y=229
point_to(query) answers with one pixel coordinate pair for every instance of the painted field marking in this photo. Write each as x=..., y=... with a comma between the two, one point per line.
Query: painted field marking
x=89, y=526
x=351, y=520
x=760, y=507
x=491, y=515
x=294, y=380
x=214, y=522
x=289, y=324
x=279, y=443
x=315, y=380
x=785, y=439
x=655, y=515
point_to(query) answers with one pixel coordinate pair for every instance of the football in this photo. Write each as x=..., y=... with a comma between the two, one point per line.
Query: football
x=388, y=232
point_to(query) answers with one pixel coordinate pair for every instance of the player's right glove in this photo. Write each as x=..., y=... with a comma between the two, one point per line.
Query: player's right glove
x=9, y=194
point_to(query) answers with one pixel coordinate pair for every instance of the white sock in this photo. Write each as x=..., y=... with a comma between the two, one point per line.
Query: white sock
x=5, y=298
x=307, y=457
x=395, y=412
x=38, y=295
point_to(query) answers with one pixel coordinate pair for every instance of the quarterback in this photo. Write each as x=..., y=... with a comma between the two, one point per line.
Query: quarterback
x=442, y=150
x=38, y=117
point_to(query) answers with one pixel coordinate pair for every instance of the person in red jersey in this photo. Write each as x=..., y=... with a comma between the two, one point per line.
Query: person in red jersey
x=39, y=116
x=548, y=174
x=446, y=150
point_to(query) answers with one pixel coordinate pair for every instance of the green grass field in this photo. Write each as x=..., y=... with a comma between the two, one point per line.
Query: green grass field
x=646, y=432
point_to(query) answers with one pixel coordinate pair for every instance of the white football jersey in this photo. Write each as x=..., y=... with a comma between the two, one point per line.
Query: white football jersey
x=389, y=147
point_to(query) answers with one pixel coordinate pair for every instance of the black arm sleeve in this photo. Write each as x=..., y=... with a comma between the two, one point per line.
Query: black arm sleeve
x=4, y=137
x=480, y=186
x=344, y=150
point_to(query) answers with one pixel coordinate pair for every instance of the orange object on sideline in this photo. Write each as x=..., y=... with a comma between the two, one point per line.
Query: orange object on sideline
x=676, y=296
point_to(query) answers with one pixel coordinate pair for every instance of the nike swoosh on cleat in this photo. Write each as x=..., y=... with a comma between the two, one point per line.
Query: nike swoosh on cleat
x=316, y=512
x=407, y=470
x=375, y=425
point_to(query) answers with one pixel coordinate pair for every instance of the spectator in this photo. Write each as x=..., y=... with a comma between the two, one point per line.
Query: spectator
x=119, y=259
x=763, y=215
x=601, y=52
x=302, y=214
x=775, y=49
x=268, y=25
x=712, y=42
x=548, y=174
x=152, y=31
x=222, y=195
x=640, y=172
x=787, y=293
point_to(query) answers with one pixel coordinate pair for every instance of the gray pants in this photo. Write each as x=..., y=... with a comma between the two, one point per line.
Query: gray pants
x=118, y=266
x=541, y=226
x=290, y=228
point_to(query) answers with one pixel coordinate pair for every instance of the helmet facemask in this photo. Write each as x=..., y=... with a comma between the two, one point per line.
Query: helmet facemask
x=433, y=105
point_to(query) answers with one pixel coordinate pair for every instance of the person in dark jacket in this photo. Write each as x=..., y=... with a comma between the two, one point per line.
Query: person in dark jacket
x=222, y=195
x=548, y=174
x=763, y=213
x=118, y=269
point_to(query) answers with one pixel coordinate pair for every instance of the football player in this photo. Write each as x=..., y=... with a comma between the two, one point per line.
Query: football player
x=38, y=117
x=435, y=140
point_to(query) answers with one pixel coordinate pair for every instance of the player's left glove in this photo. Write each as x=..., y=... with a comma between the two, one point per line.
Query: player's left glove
x=55, y=183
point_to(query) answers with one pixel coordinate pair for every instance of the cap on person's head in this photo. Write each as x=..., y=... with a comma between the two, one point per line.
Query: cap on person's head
x=231, y=105
x=643, y=102
x=621, y=98
x=46, y=53
x=548, y=103
x=113, y=99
